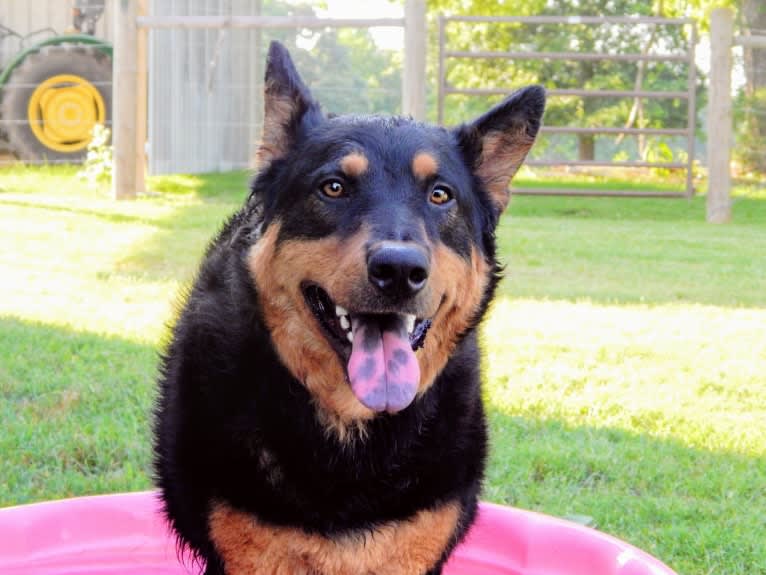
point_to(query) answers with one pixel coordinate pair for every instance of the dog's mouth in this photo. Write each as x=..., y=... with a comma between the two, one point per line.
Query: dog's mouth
x=377, y=348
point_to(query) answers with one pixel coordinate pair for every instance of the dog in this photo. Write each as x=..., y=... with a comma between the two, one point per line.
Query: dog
x=319, y=407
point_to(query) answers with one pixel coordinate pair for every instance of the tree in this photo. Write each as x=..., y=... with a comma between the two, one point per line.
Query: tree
x=576, y=111
x=345, y=69
x=349, y=74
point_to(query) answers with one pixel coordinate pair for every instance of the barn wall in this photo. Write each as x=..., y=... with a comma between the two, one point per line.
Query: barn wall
x=202, y=108
x=47, y=17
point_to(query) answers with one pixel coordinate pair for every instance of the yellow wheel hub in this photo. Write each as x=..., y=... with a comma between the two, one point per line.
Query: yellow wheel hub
x=63, y=110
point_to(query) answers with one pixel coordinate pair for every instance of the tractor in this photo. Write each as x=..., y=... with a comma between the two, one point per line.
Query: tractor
x=53, y=91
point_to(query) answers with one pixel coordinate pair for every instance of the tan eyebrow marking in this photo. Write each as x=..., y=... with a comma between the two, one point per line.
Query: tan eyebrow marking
x=424, y=165
x=354, y=164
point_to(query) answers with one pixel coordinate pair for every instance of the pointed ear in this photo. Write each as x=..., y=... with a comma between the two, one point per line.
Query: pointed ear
x=288, y=106
x=497, y=142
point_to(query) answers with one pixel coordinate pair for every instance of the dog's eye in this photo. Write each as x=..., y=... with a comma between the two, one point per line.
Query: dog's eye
x=440, y=195
x=333, y=189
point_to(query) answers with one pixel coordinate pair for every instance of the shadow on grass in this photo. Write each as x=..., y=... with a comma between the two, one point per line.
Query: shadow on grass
x=75, y=409
x=619, y=250
x=699, y=511
x=175, y=249
x=227, y=190
x=110, y=217
x=745, y=210
x=226, y=187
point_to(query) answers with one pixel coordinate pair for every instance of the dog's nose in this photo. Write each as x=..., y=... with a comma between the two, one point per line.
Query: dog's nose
x=398, y=269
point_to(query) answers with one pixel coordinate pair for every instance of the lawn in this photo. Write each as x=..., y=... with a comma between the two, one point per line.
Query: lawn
x=625, y=355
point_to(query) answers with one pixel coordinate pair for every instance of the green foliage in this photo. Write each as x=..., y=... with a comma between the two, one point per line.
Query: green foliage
x=569, y=74
x=348, y=73
x=97, y=168
x=750, y=131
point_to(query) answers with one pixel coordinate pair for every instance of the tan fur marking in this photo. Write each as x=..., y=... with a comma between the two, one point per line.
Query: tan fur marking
x=278, y=273
x=462, y=284
x=412, y=547
x=501, y=156
x=454, y=292
x=278, y=110
x=424, y=165
x=354, y=164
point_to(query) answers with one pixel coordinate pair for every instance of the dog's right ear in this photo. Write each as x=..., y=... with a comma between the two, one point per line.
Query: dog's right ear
x=288, y=106
x=497, y=142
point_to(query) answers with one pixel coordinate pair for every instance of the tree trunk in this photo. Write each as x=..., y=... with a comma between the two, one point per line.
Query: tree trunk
x=586, y=143
x=586, y=147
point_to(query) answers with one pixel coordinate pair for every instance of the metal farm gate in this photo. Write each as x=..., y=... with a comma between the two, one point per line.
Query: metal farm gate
x=448, y=56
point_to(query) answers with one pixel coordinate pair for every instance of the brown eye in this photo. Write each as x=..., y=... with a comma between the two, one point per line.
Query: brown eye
x=333, y=189
x=440, y=195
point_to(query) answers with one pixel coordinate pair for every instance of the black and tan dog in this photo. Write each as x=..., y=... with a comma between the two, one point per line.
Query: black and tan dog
x=320, y=408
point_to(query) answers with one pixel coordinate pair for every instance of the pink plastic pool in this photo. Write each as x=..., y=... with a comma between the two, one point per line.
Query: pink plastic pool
x=125, y=535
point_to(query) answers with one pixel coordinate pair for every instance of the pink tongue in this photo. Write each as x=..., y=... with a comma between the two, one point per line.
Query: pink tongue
x=383, y=369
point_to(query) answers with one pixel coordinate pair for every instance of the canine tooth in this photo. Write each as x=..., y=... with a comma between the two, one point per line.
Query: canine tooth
x=410, y=321
x=350, y=337
x=340, y=310
x=344, y=323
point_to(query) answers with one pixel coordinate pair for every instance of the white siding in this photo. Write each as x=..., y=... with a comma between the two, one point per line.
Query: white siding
x=202, y=91
x=46, y=16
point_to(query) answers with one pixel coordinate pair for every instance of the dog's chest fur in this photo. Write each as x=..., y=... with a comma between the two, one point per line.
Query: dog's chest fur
x=393, y=548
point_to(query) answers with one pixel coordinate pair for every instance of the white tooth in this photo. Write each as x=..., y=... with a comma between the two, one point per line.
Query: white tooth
x=339, y=311
x=344, y=323
x=410, y=321
x=350, y=337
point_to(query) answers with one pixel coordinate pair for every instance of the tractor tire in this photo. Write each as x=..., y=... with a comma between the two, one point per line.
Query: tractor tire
x=53, y=99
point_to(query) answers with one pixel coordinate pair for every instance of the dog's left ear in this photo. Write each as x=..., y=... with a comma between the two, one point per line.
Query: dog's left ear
x=288, y=106
x=496, y=143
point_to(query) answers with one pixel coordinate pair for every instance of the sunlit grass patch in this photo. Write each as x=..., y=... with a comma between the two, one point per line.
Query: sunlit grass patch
x=694, y=374
x=83, y=261
x=648, y=419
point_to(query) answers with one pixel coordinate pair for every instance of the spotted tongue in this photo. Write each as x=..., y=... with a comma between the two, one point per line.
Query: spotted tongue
x=383, y=369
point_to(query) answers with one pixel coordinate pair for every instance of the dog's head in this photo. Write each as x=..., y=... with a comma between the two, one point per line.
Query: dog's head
x=376, y=252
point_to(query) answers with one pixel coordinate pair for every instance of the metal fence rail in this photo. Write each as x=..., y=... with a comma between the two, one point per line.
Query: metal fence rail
x=688, y=131
x=261, y=22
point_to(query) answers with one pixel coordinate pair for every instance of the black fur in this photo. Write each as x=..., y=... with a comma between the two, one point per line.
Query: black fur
x=225, y=396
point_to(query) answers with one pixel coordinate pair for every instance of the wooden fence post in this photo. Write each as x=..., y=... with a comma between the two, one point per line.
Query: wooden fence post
x=124, y=92
x=414, y=80
x=719, y=117
x=142, y=95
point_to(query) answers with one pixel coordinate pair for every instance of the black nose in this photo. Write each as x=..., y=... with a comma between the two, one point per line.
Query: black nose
x=398, y=269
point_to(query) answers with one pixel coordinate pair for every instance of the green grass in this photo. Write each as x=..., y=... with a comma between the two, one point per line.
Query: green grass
x=634, y=250
x=74, y=408
x=625, y=354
